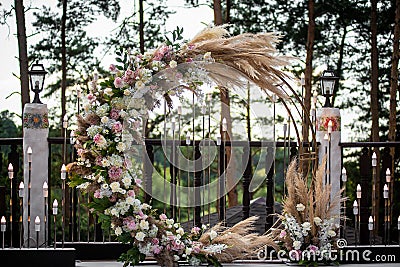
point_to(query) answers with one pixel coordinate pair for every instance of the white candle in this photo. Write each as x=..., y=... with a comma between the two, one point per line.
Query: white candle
x=218, y=139
x=65, y=121
x=386, y=192
x=179, y=110
x=3, y=224
x=10, y=171
x=173, y=124
x=188, y=138
x=388, y=175
x=63, y=172
x=224, y=125
x=37, y=224
x=398, y=223
x=330, y=125
x=326, y=137
x=302, y=80
x=45, y=190
x=315, y=97
x=21, y=189
x=29, y=151
x=95, y=75
x=209, y=95
x=344, y=175
x=203, y=108
x=78, y=91
x=370, y=223
x=273, y=98
x=374, y=159
x=358, y=191
x=355, y=207
x=55, y=207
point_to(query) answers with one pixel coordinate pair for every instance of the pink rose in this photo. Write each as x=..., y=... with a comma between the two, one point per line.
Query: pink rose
x=114, y=114
x=112, y=68
x=163, y=217
x=155, y=241
x=282, y=234
x=157, y=249
x=119, y=83
x=131, y=193
x=117, y=127
x=114, y=173
x=195, y=230
x=97, y=193
x=138, y=182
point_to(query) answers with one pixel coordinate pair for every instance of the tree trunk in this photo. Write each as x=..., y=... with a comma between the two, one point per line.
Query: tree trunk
x=308, y=77
x=375, y=106
x=226, y=113
x=340, y=64
x=393, y=89
x=63, y=62
x=141, y=27
x=22, y=52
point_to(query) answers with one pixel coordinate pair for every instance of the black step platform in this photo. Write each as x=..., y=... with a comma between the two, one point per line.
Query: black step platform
x=43, y=257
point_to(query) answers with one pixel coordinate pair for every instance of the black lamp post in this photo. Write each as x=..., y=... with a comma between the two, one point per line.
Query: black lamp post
x=36, y=77
x=328, y=81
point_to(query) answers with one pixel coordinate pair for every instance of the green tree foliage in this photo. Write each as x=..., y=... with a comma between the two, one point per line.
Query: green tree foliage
x=80, y=46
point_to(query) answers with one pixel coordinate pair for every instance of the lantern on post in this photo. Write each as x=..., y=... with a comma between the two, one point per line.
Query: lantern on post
x=36, y=77
x=328, y=81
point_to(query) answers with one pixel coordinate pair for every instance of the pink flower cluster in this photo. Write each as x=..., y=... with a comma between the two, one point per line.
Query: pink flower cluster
x=115, y=173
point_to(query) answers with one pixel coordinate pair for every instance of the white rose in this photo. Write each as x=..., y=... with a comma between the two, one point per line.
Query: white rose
x=144, y=225
x=188, y=251
x=331, y=233
x=127, y=92
x=169, y=221
x=104, y=119
x=180, y=231
x=296, y=245
x=306, y=225
x=114, y=187
x=108, y=91
x=140, y=236
x=213, y=234
x=127, y=181
x=300, y=207
x=118, y=231
x=121, y=147
x=114, y=212
x=105, y=162
x=173, y=64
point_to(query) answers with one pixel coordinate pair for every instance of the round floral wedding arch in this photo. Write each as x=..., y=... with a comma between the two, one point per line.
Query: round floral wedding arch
x=111, y=123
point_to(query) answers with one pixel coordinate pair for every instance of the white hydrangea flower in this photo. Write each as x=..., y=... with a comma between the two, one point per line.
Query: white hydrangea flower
x=180, y=231
x=115, y=186
x=121, y=147
x=118, y=231
x=296, y=245
x=140, y=236
x=144, y=225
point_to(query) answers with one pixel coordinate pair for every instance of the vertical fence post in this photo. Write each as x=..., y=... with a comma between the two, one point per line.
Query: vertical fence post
x=386, y=164
x=269, y=208
x=365, y=172
x=246, y=161
x=197, y=184
x=173, y=171
x=221, y=184
x=148, y=172
x=13, y=158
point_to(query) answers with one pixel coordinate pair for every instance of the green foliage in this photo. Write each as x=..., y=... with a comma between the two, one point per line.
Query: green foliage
x=132, y=257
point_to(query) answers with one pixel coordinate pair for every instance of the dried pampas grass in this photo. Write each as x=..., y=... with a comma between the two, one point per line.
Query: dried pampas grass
x=240, y=239
x=254, y=55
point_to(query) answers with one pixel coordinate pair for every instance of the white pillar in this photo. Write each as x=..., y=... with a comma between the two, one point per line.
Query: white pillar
x=334, y=168
x=36, y=131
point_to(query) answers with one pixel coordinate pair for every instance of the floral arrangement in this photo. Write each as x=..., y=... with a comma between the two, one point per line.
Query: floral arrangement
x=308, y=228
x=114, y=111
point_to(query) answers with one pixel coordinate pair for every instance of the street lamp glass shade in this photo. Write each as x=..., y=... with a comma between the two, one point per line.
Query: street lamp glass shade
x=328, y=81
x=36, y=77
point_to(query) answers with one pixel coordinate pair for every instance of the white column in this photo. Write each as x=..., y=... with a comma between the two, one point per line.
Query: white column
x=36, y=131
x=324, y=115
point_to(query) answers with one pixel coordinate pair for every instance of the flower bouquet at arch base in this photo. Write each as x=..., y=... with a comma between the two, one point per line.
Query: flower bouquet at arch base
x=306, y=233
x=116, y=106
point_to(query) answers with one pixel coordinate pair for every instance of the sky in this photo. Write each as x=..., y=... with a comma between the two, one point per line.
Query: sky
x=9, y=45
